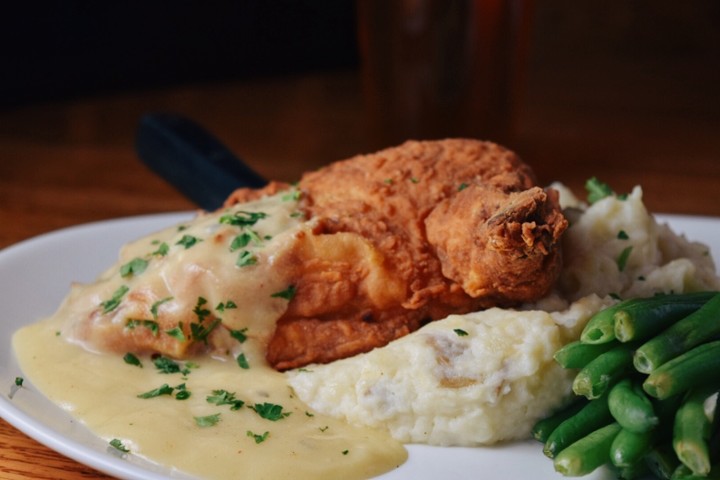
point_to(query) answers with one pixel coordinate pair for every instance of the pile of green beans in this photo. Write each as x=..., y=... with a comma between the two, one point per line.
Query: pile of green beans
x=646, y=391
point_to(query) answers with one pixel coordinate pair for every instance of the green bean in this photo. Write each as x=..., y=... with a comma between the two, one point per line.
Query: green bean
x=631, y=408
x=701, y=326
x=588, y=453
x=692, y=429
x=578, y=354
x=601, y=326
x=642, y=318
x=628, y=448
x=662, y=461
x=595, y=378
x=695, y=367
x=591, y=417
x=543, y=428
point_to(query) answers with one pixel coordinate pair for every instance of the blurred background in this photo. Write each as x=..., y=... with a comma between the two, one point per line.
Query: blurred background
x=624, y=90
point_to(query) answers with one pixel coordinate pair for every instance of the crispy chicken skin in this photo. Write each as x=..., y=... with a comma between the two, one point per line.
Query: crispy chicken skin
x=408, y=235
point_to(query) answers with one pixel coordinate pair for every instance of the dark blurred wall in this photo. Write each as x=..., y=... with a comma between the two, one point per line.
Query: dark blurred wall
x=66, y=48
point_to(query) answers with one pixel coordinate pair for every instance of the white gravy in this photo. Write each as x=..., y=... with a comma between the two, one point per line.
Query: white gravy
x=100, y=389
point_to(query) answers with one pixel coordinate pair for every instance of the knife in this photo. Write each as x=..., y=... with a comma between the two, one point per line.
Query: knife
x=191, y=159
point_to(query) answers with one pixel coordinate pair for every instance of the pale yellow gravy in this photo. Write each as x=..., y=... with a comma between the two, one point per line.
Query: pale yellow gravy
x=101, y=390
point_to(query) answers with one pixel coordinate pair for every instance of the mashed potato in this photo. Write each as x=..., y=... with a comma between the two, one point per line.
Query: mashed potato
x=487, y=377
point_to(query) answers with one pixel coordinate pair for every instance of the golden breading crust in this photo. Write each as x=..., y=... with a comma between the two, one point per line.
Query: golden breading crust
x=408, y=235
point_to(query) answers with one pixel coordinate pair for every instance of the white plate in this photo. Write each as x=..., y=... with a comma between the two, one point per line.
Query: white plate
x=35, y=276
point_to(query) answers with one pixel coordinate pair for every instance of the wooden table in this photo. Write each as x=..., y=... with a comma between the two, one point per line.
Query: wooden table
x=71, y=162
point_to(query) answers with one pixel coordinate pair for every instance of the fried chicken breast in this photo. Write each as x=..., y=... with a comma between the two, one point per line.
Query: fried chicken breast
x=408, y=235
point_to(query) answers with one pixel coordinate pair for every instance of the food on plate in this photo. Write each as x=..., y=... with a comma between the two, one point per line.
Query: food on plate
x=422, y=294
x=650, y=397
x=404, y=387
x=412, y=234
x=360, y=253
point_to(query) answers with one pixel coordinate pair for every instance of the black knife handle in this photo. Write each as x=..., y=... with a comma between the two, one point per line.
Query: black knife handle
x=191, y=159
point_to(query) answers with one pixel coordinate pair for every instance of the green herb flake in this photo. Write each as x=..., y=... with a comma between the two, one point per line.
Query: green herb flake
x=19, y=381
x=291, y=196
x=151, y=325
x=136, y=266
x=229, y=305
x=111, y=304
x=246, y=259
x=287, y=294
x=414, y=180
x=270, y=411
x=345, y=452
x=207, y=420
x=167, y=365
x=182, y=392
x=131, y=359
x=460, y=332
x=259, y=438
x=239, y=335
x=164, y=389
x=242, y=361
x=117, y=444
x=622, y=235
x=242, y=218
x=309, y=414
x=177, y=333
x=623, y=258
x=188, y=241
x=162, y=250
x=462, y=187
x=223, y=397
x=244, y=239
x=199, y=309
x=597, y=190
x=201, y=332
x=155, y=306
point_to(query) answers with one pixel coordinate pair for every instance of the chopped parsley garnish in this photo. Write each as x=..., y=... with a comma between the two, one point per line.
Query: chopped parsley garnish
x=239, y=335
x=199, y=310
x=164, y=389
x=622, y=235
x=118, y=445
x=414, y=180
x=345, y=452
x=246, y=259
x=623, y=258
x=229, y=305
x=183, y=393
x=177, y=333
x=258, y=438
x=202, y=332
x=597, y=190
x=462, y=187
x=131, y=359
x=155, y=306
x=19, y=381
x=460, y=332
x=287, y=294
x=223, y=397
x=136, y=266
x=151, y=325
x=270, y=411
x=293, y=195
x=242, y=218
x=162, y=250
x=242, y=361
x=169, y=366
x=111, y=304
x=244, y=239
x=188, y=241
x=207, y=421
